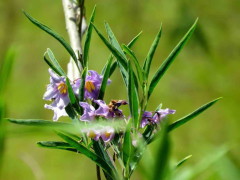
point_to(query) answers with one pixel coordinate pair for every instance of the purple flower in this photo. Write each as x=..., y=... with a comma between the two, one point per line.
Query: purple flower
x=89, y=112
x=92, y=133
x=161, y=114
x=92, y=85
x=106, y=111
x=107, y=133
x=156, y=117
x=146, y=118
x=57, y=92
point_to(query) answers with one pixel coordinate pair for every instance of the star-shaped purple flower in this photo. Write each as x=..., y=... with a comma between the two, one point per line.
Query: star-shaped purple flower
x=92, y=85
x=57, y=92
x=106, y=111
x=154, y=118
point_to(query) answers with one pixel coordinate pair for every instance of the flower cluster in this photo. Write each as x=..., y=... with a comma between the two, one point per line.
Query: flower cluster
x=105, y=133
x=94, y=109
x=57, y=91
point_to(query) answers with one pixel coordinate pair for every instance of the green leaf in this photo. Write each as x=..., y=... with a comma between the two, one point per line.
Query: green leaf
x=136, y=63
x=192, y=115
x=5, y=69
x=148, y=60
x=121, y=59
x=88, y=38
x=114, y=41
x=113, y=68
x=127, y=148
x=122, y=62
x=55, y=62
x=82, y=85
x=51, y=65
x=71, y=113
x=183, y=160
x=210, y=159
x=133, y=97
x=166, y=64
x=39, y=122
x=101, y=151
x=98, y=160
x=70, y=92
x=55, y=35
x=161, y=165
x=134, y=40
x=57, y=145
x=105, y=78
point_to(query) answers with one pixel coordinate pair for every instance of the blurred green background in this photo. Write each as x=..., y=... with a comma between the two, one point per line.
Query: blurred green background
x=208, y=67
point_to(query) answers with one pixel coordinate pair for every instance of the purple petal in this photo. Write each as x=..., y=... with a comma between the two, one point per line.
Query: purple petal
x=89, y=112
x=107, y=134
x=51, y=92
x=57, y=111
x=103, y=109
x=162, y=113
x=53, y=76
x=76, y=86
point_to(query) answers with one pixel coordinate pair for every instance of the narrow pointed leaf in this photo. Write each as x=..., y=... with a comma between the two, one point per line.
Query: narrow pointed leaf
x=55, y=62
x=82, y=85
x=82, y=149
x=183, y=160
x=114, y=41
x=136, y=63
x=133, y=97
x=100, y=150
x=134, y=40
x=70, y=92
x=39, y=122
x=121, y=61
x=55, y=35
x=106, y=75
x=113, y=49
x=57, y=145
x=127, y=147
x=192, y=115
x=113, y=68
x=161, y=163
x=5, y=69
x=148, y=60
x=166, y=64
x=88, y=38
x=50, y=64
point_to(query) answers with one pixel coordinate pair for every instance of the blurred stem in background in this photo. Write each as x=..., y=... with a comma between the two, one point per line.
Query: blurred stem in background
x=76, y=26
x=5, y=70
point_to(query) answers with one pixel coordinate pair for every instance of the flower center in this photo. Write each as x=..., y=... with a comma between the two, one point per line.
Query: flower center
x=62, y=88
x=89, y=86
x=107, y=134
x=91, y=134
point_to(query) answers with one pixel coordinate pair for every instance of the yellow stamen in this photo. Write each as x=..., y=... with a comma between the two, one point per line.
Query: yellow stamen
x=91, y=134
x=107, y=134
x=89, y=86
x=62, y=88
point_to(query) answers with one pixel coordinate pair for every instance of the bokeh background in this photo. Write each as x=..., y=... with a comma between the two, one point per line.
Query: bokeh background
x=207, y=68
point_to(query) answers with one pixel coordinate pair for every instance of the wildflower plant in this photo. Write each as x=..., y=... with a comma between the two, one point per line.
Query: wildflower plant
x=100, y=130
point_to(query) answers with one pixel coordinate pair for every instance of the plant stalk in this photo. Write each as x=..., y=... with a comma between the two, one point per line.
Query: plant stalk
x=74, y=21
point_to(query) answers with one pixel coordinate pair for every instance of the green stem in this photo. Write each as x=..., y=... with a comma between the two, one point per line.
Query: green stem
x=98, y=172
